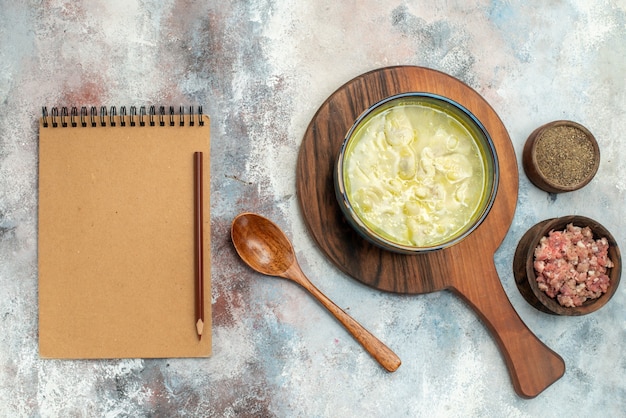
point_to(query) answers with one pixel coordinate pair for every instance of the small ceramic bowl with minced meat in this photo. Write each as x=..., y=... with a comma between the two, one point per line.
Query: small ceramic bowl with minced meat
x=567, y=266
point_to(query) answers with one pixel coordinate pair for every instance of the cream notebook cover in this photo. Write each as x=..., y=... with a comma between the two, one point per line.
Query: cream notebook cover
x=116, y=235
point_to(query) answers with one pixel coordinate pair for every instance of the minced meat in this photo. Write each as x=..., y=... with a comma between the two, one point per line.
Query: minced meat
x=571, y=265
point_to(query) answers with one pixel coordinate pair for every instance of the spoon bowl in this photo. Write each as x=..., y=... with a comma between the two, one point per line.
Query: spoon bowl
x=264, y=247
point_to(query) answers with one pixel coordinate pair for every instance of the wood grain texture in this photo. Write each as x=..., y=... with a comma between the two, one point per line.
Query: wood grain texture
x=467, y=268
x=526, y=279
x=264, y=247
x=531, y=164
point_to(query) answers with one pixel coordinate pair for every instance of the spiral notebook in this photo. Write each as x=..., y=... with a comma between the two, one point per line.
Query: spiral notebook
x=116, y=233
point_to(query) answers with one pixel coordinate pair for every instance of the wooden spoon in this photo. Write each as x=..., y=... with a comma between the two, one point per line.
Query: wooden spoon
x=263, y=246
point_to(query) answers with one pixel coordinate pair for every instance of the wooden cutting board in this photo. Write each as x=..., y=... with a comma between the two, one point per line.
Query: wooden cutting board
x=467, y=269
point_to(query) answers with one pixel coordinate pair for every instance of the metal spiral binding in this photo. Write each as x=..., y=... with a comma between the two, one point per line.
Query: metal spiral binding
x=123, y=115
x=89, y=117
x=103, y=114
x=133, y=113
x=64, y=117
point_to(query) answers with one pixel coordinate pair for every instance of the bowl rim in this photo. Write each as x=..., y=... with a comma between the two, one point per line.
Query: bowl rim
x=526, y=256
x=377, y=239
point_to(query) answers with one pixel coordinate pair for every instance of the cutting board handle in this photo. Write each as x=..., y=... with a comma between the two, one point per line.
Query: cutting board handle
x=532, y=365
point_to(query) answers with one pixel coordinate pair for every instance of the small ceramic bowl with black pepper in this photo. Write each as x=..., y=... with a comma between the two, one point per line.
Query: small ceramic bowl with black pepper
x=561, y=156
x=567, y=266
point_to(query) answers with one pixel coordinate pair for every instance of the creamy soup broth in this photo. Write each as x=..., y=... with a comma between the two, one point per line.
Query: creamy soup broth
x=415, y=175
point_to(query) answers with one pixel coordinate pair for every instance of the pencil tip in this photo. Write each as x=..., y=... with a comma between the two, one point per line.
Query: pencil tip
x=199, y=327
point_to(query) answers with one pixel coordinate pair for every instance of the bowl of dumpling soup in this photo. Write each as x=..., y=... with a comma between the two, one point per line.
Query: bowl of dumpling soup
x=416, y=172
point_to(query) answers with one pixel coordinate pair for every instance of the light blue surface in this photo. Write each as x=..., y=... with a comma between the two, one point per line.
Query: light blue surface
x=261, y=69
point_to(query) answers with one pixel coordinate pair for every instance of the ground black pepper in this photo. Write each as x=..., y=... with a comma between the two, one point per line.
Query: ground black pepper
x=565, y=155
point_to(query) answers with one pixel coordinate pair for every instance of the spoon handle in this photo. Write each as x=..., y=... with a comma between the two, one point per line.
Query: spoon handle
x=377, y=349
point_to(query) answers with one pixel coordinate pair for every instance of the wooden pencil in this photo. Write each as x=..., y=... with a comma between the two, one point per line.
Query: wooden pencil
x=199, y=244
